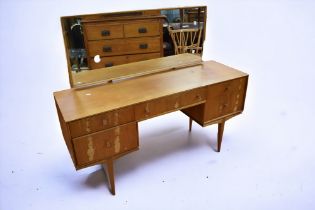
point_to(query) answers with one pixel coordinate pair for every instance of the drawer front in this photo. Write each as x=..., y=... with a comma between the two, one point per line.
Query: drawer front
x=100, y=122
x=142, y=57
x=105, y=144
x=106, y=47
x=225, y=98
x=97, y=31
x=108, y=62
x=123, y=46
x=143, y=45
x=118, y=60
x=157, y=107
x=141, y=29
x=193, y=96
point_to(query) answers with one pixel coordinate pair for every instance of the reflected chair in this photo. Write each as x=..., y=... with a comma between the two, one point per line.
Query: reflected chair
x=186, y=40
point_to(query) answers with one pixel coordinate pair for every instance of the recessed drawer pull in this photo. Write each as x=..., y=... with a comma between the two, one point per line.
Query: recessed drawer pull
x=105, y=33
x=143, y=46
x=142, y=30
x=109, y=64
x=147, y=110
x=108, y=144
x=107, y=49
x=198, y=97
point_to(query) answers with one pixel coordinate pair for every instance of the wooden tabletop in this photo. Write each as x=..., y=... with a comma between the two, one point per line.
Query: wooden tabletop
x=80, y=103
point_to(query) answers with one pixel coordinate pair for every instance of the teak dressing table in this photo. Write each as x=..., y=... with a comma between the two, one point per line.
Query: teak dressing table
x=100, y=122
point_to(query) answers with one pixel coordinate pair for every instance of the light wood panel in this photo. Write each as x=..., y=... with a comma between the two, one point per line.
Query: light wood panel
x=77, y=104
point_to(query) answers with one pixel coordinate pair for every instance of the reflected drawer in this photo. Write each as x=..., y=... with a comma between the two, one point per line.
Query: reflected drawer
x=142, y=28
x=96, y=31
x=104, y=144
x=124, y=46
x=142, y=45
x=107, y=62
x=101, y=121
x=142, y=57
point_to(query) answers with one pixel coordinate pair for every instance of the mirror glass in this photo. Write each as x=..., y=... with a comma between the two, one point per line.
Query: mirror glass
x=97, y=41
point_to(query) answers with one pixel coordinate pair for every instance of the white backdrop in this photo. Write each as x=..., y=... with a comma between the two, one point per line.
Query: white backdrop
x=267, y=159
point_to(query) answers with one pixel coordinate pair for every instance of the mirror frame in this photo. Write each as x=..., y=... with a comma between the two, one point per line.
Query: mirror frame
x=152, y=12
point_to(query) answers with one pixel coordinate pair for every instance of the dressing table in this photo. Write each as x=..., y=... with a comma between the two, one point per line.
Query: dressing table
x=99, y=115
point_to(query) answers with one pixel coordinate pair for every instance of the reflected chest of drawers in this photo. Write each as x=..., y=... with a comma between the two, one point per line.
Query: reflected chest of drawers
x=123, y=40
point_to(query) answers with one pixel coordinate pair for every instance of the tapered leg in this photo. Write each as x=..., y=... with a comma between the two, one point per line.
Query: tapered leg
x=190, y=124
x=109, y=170
x=220, y=134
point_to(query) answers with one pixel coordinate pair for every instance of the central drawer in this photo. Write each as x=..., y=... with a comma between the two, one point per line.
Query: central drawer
x=124, y=46
x=105, y=144
x=169, y=103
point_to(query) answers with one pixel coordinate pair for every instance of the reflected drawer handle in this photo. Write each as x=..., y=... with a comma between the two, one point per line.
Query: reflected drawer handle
x=143, y=46
x=109, y=64
x=105, y=33
x=107, y=49
x=142, y=30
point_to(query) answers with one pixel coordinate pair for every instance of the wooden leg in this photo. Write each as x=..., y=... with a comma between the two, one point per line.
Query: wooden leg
x=109, y=170
x=190, y=124
x=220, y=134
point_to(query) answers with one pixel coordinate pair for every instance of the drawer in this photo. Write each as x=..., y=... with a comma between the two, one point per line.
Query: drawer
x=157, y=107
x=124, y=46
x=97, y=31
x=118, y=60
x=101, y=121
x=141, y=29
x=143, y=45
x=193, y=96
x=105, y=144
x=142, y=57
x=106, y=47
x=225, y=98
x=108, y=62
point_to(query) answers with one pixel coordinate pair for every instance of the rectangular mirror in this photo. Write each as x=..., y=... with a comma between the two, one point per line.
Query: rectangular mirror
x=105, y=40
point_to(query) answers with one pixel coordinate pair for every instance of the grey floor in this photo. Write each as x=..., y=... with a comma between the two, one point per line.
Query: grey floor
x=267, y=159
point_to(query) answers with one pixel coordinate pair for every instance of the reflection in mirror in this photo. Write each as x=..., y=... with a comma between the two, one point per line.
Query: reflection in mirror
x=104, y=40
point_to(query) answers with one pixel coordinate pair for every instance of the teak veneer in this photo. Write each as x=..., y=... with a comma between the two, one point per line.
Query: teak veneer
x=100, y=123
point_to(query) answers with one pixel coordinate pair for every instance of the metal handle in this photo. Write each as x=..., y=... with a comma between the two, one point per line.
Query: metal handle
x=109, y=64
x=143, y=46
x=105, y=33
x=142, y=30
x=107, y=49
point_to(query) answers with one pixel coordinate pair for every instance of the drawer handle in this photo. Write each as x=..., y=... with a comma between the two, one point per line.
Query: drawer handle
x=105, y=33
x=107, y=49
x=142, y=30
x=226, y=89
x=143, y=46
x=198, y=97
x=109, y=144
x=109, y=64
